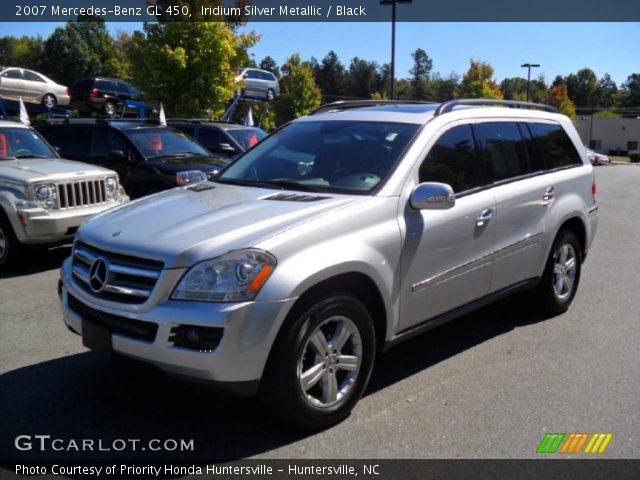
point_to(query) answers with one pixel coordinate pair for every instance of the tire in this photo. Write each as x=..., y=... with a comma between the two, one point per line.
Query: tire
x=110, y=108
x=9, y=245
x=49, y=100
x=332, y=339
x=561, y=275
x=271, y=95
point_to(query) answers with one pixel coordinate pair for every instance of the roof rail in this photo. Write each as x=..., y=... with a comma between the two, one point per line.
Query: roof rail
x=347, y=104
x=99, y=120
x=482, y=102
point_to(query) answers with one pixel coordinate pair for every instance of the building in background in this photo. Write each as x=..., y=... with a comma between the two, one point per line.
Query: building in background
x=613, y=136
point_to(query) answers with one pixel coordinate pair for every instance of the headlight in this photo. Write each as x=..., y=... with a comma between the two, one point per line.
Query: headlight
x=111, y=187
x=45, y=195
x=190, y=176
x=234, y=277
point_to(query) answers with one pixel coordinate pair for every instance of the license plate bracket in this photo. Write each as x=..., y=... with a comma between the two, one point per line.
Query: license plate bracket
x=97, y=338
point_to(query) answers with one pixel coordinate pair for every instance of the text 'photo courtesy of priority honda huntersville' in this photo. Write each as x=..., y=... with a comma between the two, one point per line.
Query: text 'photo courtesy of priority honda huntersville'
x=336, y=237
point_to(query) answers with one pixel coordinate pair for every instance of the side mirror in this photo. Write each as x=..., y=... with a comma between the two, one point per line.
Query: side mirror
x=225, y=147
x=432, y=196
x=116, y=155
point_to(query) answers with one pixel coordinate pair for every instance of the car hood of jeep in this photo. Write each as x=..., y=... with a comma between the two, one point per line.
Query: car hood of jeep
x=30, y=170
x=185, y=225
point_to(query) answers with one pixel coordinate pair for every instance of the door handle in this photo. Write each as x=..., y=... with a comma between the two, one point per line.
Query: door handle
x=485, y=216
x=548, y=196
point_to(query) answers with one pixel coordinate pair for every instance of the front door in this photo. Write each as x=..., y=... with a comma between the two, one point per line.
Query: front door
x=447, y=254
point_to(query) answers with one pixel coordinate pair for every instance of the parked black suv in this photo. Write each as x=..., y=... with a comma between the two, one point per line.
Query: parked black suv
x=148, y=157
x=102, y=95
x=224, y=139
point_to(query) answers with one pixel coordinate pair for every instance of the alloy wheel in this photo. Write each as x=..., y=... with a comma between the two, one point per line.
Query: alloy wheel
x=49, y=101
x=564, y=271
x=330, y=362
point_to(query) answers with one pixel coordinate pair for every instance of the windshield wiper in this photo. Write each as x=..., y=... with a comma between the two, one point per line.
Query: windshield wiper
x=178, y=154
x=30, y=155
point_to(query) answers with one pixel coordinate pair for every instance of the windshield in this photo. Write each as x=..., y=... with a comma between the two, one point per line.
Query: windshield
x=246, y=137
x=331, y=156
x=24, y=143
x=164, y=142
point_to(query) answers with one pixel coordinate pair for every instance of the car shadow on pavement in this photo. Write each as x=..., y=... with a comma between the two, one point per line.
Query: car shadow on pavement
x=37, y=260
x=83, y=396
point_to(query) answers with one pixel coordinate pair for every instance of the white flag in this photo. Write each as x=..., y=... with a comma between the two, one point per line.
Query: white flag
x=24, y=116
x=248, y=121
x=162, y=119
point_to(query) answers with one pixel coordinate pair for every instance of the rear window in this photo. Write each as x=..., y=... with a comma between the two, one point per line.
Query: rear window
x=556, y=148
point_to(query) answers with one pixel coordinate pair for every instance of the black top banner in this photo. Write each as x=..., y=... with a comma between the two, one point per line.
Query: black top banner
x=324, y=10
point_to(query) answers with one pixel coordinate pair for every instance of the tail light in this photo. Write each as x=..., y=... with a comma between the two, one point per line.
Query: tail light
x=94, y=92
x=66, y=90
x=593, y=190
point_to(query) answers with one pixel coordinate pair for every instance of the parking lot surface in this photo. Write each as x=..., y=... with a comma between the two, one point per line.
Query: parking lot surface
x=488, y=385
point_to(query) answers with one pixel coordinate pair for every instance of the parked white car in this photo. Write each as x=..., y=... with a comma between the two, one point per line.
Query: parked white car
x=597, y=158
x=32, y=86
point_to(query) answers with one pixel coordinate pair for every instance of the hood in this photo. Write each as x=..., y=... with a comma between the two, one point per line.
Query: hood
x=173, y=165
x=29, y=170
x=185, y=225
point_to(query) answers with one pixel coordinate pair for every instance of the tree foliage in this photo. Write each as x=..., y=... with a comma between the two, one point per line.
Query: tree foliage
x=299, y=93
x=558, y=97
x=270, y=65
x=478, y=82
x=420, y=73
x=188, y=66
x=582, y=87
x=330, y=75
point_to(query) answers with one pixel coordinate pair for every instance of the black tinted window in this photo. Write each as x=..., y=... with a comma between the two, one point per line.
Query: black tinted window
x=123, y=88
x=15, y=73
x=104, y=85
x=252, y=74
x=555, y=146
x=453, y=160
x=32, y=77
x=209, y=137
x=74, y=143
x=503, y=149
x=104, y=141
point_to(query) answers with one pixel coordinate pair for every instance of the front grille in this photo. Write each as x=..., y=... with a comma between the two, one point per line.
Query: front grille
x=81, y=193
x=127, y=279
x=128, y=327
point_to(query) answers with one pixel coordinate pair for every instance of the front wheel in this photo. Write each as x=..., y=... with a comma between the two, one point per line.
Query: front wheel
x=321, y=363
x=9, y=245
x=561, y=275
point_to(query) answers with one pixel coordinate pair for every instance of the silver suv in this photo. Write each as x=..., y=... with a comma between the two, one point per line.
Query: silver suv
x=43, y=199
x=343, y=233
x=258, y=83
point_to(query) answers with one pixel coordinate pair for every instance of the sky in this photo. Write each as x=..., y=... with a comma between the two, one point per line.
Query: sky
x=560, y=48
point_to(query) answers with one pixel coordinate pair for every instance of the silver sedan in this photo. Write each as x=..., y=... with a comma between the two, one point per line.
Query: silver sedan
x=32, y=86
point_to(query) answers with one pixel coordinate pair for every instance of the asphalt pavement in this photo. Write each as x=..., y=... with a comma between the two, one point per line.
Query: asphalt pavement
x=488, y=385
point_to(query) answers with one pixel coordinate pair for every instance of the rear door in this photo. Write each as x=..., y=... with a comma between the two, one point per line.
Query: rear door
x=517, y=173
x=446, y=256
x=34, y=86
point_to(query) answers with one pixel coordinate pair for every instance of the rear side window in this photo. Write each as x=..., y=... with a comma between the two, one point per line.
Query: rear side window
x=503, y=149
x=122, y=88
x=105, y=85
x=454, y=160
x=556, y=148
x=32, y=77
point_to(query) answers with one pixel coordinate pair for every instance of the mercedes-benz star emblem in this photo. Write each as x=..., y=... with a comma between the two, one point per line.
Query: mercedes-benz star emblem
x=98, y=274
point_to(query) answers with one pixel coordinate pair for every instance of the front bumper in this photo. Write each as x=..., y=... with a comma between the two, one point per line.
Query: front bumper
x=40, y=226
x=250, y=329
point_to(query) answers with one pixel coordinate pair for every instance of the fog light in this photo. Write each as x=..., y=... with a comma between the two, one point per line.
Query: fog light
x=193, y=336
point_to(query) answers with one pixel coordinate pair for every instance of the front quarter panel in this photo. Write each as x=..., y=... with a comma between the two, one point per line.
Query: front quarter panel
x=363, y=238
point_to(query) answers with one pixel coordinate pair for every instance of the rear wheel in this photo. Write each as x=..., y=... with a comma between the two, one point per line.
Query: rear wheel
x=321, y=363
x=561, y=275
x=110, y=108
x=49, y=100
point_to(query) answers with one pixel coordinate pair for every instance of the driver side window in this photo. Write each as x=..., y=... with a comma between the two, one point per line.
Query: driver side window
x=454, y=160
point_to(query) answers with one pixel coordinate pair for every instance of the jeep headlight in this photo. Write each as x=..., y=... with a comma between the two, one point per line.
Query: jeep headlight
x=45, y=195
x=234, y=277
x=111, y=187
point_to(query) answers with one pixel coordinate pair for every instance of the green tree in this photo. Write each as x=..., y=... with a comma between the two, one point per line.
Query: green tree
x=629, y=94
x=443, y=88
x=363, y=78
x=188, y=66
x=270, y=65
x=299, y=93
x=478, y=82
x=558, y=97
x=606, y=91
x=330, y=75
x=420, y=73
x=582, y=87
x=26, y=52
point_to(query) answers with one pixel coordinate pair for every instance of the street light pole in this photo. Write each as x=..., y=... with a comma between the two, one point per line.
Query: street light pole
x=393, y=41
x=529, y=66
